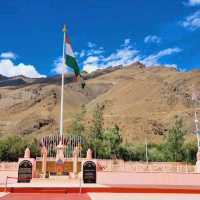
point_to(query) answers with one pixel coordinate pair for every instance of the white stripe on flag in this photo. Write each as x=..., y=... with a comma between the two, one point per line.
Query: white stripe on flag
x=69, y=50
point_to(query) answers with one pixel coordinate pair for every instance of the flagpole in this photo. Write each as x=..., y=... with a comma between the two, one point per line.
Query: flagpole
x=62, y=84
x=196, y=121
x=197, y=128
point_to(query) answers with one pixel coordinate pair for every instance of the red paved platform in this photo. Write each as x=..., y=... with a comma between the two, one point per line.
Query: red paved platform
x=46, y=196
x=115, y=182
x=109, y=189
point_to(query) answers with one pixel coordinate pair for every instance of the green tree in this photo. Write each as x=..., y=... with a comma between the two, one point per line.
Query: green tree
x=156, y=152
x=111, y=140
x=174, y=142
x=132, y=152
x=189, y=150
x=11, y=148
x=96, y=128
x=96, y=131
x=77, y=127
x=34, y=147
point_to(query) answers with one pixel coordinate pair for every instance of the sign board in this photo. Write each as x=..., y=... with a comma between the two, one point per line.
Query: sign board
x=89, y=172
x=25, y=172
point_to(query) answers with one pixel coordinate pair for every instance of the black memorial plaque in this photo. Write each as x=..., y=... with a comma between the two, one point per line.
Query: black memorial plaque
x=89, y=172
x=25, y=172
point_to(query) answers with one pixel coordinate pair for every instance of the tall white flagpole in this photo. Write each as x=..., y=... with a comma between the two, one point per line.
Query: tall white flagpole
x=196, y=121
x=62, y=85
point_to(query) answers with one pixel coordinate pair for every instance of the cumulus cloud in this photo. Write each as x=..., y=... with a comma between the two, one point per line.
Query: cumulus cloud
x=82, y=53
x=8, y=55
x=192, y=22
x=126, y=42
x=91, y=45
x=152, y=39
x=153, y=59
x=9, y=69
x=192, y=2
x=126, y=54
x=94, y=58
x=58, y=66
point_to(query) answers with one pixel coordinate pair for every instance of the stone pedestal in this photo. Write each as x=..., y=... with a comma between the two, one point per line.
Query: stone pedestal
x=27, y=153
x=198, y=162
x=75, y=160
x=60, y=152
x=44, y=161
x=60, y=159
x=89, y=154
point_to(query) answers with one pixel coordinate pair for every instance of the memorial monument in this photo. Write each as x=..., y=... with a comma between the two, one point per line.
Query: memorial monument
x=26, y=167
x=59, y=154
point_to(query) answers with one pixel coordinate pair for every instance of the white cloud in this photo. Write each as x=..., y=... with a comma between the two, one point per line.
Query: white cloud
x=91, y=59
x=91, y=45
x=91, y=64
x=9, y=69
x=58, y=66
x=154, y=58
x=82, y=53
x=126, y=54
x=152, y=39
x=94, y=52
x=192, y=2
x=8, y=55
x=192, y=22
x=127, y=41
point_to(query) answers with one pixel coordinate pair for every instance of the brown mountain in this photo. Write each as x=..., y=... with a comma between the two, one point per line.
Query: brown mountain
x=142, y=101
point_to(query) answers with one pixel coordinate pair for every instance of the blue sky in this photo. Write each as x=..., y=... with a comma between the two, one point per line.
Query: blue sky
x=103, y=33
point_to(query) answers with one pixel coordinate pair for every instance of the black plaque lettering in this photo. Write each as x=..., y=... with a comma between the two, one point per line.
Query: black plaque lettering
x=89, y=172
x=25, y=172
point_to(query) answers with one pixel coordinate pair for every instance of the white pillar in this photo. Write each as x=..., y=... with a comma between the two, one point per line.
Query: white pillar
x=62, y=85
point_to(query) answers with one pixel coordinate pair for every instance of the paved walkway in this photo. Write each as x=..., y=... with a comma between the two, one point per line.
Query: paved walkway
x=113, y=178
x=168, y=179
x=45, y=196
x=96, y=196
x=142, y=196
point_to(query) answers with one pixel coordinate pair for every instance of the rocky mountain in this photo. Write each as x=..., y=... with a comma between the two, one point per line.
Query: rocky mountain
x=142, y=101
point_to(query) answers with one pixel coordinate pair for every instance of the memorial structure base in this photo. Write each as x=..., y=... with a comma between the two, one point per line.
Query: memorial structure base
x=55, y=169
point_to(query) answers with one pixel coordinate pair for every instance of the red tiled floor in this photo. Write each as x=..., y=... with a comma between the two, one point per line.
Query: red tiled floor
x=45, y=196
x=78, y=196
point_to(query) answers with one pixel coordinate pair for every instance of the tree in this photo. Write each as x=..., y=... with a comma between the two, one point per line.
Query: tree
x=11, y=148
x=34, y=147
x=97, y=122
x=174, y=142
x=190, y=150
x=96, y=130
x=156, y=152
x=111, y=140
x=77, y=127
x=132, y=152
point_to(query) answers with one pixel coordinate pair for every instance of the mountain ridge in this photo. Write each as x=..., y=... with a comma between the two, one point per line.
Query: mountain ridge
x=143, y=101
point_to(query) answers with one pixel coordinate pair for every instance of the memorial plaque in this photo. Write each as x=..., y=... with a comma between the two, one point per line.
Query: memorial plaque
x=25, y=172
x=89, y=172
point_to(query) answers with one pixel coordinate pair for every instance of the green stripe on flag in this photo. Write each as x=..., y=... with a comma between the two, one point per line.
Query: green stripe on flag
x=71, y=62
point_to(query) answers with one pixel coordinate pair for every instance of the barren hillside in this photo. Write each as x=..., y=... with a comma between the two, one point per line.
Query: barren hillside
x=142, y=101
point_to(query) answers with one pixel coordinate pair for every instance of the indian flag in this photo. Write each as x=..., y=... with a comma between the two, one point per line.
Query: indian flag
x=70, y=60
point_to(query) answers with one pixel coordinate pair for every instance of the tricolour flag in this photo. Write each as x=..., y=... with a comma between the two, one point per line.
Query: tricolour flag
x=71, y=62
